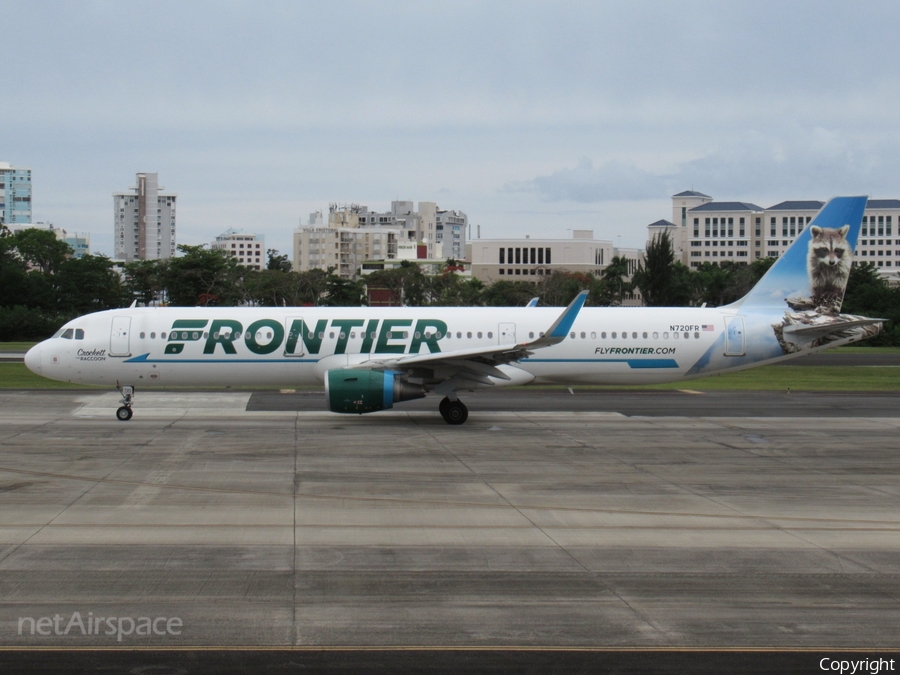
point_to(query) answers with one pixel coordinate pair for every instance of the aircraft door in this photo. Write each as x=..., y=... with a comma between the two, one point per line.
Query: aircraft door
x=293, y=340
x=506, y=333
x=119, y=338
x=734, y=336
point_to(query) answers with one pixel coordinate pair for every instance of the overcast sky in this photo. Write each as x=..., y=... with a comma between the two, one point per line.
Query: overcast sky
x=532, y=117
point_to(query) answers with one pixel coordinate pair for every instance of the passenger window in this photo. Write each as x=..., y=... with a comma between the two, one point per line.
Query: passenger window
x=469, y=334
x=687, y=335
x=614, y=335
x=603, y=335
x=143, y=335
x=479, y=334
x=490, y=334
x=583, y=335
x=353, y=334
x=593, y=336
x=418, y=335
x=531, y=335
x=79, y=334
x=655, y=335
x=645, y=335
x=665, y=336
x=572, y=335
x=634, y=335
x=696, y=336
x=459, y=335
x=153, y=335
x=162, y=335
x=675, y=336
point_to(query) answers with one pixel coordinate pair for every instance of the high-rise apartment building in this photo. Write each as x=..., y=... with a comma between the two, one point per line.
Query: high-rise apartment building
x=144, y=221
x=15, y=194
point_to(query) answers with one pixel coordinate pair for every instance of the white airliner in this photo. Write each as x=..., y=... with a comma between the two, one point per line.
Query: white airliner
x=371, y=358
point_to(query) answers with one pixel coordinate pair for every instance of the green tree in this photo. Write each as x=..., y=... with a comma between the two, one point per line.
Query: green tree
x=279, y=263
x=87, y=284
x=868, y=294
x=508, y=294
x=14, y=283
x=41, y=249
x=614, y=277
x=662, y=280
x=559, y=289
x=144, y=280
x=203, y=277
x=342, y=292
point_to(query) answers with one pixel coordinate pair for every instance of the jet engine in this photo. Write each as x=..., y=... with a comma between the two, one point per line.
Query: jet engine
x=364, y=391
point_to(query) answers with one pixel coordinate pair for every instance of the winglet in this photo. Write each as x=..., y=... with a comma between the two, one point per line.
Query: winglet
x=560, y=328
x=533, y=302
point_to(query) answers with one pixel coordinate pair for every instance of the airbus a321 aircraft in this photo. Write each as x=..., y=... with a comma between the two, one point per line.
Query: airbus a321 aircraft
x=371, y=358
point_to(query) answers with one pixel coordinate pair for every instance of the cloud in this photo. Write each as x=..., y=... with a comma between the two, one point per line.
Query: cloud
x=614, y=180
x=796, y=163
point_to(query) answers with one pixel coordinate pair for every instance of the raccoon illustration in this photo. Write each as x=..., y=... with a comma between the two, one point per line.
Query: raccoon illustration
x=828, y=264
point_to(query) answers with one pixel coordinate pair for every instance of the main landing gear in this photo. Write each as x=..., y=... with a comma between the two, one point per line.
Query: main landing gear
x=453, y=412
x=123, y=414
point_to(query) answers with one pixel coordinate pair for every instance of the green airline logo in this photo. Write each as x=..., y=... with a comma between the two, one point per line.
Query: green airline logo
x=266, y=336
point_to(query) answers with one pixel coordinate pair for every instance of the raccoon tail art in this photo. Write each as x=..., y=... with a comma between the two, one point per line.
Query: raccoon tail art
x=790, y=277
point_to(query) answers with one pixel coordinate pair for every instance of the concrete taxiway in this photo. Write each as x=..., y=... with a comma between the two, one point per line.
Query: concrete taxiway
x=256, y=523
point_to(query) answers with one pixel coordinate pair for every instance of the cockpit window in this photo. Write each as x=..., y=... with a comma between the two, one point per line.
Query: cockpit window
x=79, y=334
x=67, y=334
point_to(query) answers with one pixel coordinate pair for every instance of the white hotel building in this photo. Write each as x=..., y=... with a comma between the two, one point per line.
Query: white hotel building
x=741, y=232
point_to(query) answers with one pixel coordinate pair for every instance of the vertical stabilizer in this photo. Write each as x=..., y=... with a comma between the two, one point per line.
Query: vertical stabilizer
x=813, y=272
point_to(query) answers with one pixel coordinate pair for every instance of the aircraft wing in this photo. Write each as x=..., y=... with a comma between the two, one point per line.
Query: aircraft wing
x=483, y=360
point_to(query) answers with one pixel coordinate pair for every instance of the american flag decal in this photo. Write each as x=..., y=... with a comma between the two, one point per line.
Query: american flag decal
x=708, y=326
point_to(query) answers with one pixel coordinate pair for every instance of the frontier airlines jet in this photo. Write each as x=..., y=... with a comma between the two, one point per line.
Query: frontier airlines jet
x=371, y=358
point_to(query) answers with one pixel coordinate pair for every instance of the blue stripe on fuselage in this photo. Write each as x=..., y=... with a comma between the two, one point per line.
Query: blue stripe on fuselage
x=632, y=363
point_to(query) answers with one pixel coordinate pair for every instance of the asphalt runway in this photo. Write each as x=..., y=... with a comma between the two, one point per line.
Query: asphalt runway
x=655, y=403
x=257, y=520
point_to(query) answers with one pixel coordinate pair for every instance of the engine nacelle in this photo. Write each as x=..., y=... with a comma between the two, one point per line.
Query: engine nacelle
x=364, y=391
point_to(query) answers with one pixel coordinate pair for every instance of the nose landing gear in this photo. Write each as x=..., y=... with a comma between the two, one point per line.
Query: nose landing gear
x=453, y=412
x=124, y=413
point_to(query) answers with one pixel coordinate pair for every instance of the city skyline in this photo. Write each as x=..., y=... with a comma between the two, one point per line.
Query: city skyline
x=532, y=119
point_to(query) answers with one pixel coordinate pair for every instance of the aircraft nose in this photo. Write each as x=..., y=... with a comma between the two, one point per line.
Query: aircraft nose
x=33, y=359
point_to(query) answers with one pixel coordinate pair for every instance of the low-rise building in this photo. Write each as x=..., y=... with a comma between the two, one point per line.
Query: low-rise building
x=249, y=250
x=534, y=259
x=531, y=259
x=354, y=235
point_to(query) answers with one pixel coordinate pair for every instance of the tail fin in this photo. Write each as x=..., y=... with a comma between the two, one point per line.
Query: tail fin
x=813, y=272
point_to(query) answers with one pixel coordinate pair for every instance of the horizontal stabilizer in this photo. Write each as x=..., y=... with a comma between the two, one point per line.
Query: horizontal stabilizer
x=806, y=333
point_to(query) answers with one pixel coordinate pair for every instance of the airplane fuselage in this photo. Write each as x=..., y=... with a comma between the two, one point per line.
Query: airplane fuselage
x=283, y=347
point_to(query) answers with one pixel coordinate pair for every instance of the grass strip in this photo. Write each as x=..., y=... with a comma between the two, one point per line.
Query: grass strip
x=766, y=378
